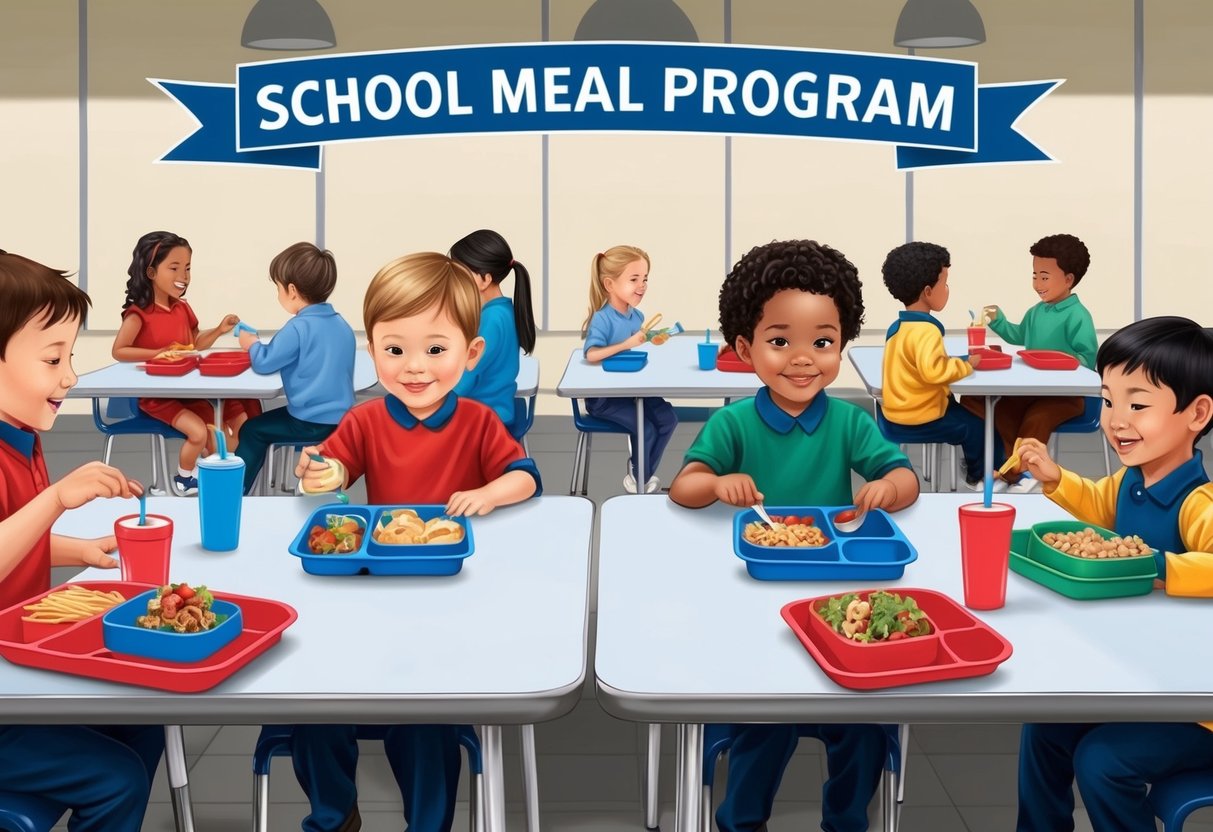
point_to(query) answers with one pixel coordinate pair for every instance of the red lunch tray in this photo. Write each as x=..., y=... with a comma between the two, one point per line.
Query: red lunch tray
x=728, y=362
x=966, y=646
x=227, y=363
x=164, y=367
x=78, y=648
x=1048, y=359
x=991, y=359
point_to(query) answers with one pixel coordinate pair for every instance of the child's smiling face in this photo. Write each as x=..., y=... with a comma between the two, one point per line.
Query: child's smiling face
x=419, y=359
x=1049, y=282
x=1140, y=422
x=171, y=277
x=628, y=289
x=797, y=347
x=36, y=372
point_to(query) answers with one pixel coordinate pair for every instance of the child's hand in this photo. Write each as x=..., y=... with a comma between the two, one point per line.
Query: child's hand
x=88, y=482
x=875, y=494
x=1160, y=584
x=637, y=339
x=737, y=490
x=990, y=313
x=1034, y=456
x=974, y=361
x=228, y=323
x=97, y=552
x=247, y=339
x=318, y=477
x=467, y=503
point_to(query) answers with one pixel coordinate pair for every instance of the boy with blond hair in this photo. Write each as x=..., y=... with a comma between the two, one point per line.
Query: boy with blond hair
x=419, y=444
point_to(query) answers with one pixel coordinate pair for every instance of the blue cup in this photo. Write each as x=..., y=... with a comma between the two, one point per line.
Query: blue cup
x=707, y=356
x=220, y=493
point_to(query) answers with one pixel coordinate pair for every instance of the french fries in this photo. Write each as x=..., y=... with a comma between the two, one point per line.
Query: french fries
x=72, y=604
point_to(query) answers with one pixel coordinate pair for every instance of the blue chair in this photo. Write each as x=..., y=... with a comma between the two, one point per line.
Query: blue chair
x=932, y=446
x=275, y=741
x=717, y=739
x=524, y=417
x=587, y=426
x=1088, y=422
x=267, y=479
x=28, y=813
x=123, y=418
x=1177, y=797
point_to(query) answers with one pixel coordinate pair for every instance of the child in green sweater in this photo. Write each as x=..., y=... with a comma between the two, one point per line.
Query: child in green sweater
x=1058, y=322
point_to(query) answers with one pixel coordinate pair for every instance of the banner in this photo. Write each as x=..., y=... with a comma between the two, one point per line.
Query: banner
x=281, y=112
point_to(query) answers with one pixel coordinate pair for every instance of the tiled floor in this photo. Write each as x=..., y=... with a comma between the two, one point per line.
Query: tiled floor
x=959, y=777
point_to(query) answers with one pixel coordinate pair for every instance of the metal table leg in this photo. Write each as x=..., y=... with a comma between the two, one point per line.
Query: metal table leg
x=989, y=437
x=652, y=765
x=174, y=758
x=494, y=778
x=690, y=778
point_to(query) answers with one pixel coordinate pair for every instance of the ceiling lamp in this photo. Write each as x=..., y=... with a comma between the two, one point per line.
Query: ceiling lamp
x=939, y=24
x=288, y=24
x=636, y=20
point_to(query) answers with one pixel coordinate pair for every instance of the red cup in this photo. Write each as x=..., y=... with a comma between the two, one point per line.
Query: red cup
x=985, y=553
x=977, y=338
x=143, y=551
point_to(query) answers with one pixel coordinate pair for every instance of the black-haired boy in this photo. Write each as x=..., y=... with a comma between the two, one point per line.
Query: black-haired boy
x=788, y=308
x=1157, y=379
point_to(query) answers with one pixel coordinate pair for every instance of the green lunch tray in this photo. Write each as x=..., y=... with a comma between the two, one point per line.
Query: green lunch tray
x=1080, y=589
x=1044, y=554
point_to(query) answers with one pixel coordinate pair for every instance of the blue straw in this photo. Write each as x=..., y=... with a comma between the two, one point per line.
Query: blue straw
x=143, y=508
x=220, y=441
x=989, y=489
x=707, y=336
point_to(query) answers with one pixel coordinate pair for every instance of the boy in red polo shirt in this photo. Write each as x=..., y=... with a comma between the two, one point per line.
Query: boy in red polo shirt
x=419, y=444
x=103, y=774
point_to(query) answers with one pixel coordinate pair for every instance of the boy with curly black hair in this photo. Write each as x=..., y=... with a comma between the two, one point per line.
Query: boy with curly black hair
x=917, y=369
x=788, y=308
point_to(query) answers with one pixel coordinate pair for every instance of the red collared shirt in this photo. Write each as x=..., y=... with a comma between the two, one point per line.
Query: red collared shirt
x=22, y=477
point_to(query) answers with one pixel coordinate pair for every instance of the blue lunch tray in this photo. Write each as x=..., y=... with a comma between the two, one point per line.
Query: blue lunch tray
x=122, y=635
x=374, y=558
x=877, y=551
x=628, y=361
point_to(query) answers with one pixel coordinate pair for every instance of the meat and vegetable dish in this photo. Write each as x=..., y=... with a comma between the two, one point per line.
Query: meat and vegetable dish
x=884, y=616
x=341, y=535
x=789, y=530
x=180, y=608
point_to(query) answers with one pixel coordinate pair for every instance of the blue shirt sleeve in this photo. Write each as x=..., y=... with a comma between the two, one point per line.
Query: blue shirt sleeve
x=281, y=351
x=599, y=333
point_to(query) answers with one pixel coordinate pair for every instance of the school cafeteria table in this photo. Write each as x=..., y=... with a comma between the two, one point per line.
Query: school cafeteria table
x=1018, y=380
x=125, y=379
x=686, y=636
x=672, y=372
x=502, y=642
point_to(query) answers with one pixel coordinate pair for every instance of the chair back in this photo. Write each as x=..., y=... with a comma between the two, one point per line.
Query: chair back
x=275, y=741
x=1174, y=798
x=1088, y=422
x=121, y=408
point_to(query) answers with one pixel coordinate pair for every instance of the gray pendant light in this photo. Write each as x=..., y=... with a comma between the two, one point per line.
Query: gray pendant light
x=288, y=24
x=636, y=20
x=938, y=24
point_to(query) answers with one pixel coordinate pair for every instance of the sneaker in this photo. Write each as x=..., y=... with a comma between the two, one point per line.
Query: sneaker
x=978, y=485
x=652, y=485
x=1026, y=485
x=186, y=485
x=629, y=483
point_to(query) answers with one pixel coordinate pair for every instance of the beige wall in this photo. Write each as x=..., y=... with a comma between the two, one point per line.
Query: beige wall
x=664, y=193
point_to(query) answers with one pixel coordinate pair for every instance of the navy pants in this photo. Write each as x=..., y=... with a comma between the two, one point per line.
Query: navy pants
x=102, y=773
x=270, y=428
x=659, y=424
x=424, y=760
x=957, y=426
x=855, y=757
x=1113, y=763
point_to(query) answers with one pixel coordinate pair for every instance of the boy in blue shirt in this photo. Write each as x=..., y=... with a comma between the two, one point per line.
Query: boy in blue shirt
x=788, y=308
x=1157, y=377
x=314, y=351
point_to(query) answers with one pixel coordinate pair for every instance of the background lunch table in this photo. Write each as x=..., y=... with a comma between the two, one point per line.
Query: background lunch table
x=501, y=643
x=672, y=372
x=125, y=379
x=1018, y=380
x=684, y=635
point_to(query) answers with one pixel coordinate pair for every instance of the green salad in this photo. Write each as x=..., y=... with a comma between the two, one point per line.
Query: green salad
x=884, y=616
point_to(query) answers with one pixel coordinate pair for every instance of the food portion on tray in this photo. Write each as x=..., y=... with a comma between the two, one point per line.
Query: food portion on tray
x=405, y=526
x=340, y=535
x=72, y=604
x=883, y=616
x=1088, y=543
x=788, y=530
x=180, y=608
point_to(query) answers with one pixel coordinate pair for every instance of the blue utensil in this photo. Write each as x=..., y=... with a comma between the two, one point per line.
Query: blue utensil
x=143, y=508
x=241, y=326
x=972, y=316
x=342, y=497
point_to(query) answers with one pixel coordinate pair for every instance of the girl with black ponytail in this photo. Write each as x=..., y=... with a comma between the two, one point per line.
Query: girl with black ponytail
x=505, y=326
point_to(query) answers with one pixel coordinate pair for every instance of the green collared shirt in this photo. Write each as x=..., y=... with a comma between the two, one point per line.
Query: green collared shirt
x=803, y=460
x=1065, y=326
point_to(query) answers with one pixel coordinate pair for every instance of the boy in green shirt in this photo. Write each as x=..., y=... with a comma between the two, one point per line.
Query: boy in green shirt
x=788, y=308
x=1058, y=322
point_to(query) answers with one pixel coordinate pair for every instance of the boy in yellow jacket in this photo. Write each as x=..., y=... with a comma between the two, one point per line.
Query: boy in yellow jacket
x=917, y=370
x=1157, y=379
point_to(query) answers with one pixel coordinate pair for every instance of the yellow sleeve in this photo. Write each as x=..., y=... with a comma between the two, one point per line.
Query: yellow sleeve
x=932, y=360
x=1191, y=573
x=1089, y=501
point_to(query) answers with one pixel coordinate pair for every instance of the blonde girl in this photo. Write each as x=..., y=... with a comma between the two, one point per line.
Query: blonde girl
x=619, y=278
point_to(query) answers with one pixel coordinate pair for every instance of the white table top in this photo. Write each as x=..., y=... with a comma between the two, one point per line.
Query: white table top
x=685, y=635
x=125, y=379
x=1018, y=380
x=672, y=371
x=502, y=642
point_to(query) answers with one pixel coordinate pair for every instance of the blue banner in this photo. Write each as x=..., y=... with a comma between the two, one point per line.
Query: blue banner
x=281, y=112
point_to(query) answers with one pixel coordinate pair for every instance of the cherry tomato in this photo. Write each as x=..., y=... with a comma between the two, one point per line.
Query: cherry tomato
x=844, y=516
x=897, y=635
x=185, y=592
x=791, y=520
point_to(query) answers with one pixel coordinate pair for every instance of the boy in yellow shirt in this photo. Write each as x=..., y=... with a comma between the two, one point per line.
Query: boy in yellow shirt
x=1157, y=379
x=917, y=369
